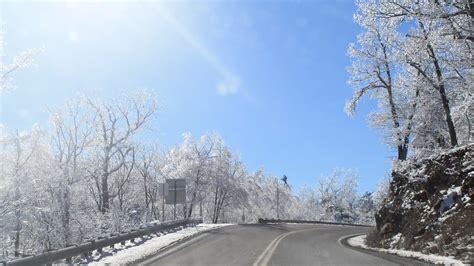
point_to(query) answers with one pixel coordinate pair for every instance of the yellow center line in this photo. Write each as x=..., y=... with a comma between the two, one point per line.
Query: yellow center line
x=266, y=255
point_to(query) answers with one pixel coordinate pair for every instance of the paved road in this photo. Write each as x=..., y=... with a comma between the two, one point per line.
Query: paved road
x=273, y=245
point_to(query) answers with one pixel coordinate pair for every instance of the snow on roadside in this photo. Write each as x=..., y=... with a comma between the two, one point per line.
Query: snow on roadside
x=359, y=241
x=153, y=245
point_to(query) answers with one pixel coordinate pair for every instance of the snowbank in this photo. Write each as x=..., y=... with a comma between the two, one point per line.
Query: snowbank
x=359, y=241
x=132, y=253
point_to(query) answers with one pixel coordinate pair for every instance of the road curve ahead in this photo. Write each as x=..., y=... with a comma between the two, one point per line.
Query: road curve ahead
x=273, y=244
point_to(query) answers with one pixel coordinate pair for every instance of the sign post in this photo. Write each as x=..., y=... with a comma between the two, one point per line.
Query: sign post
x=278, y=201
x=285, y=180
x=174, y=208
x=163, y=190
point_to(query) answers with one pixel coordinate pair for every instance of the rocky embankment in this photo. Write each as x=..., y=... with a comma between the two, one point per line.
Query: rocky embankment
x=430, y=208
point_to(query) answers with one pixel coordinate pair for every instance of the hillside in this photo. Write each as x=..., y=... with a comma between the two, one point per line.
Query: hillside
x=430, y=206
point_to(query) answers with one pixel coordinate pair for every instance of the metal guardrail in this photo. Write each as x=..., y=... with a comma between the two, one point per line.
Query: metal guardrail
x=86, y=248
x=267, y=221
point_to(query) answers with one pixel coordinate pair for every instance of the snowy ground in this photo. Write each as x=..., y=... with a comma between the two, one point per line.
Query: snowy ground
x=359, y=241
x=131, y=252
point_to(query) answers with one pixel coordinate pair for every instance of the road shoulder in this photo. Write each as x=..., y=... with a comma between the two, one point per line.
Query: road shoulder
x=178, y=245
x=156, y=245
x=396, y=256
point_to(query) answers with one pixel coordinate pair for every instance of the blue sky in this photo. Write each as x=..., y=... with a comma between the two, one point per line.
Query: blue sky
x=269, y=76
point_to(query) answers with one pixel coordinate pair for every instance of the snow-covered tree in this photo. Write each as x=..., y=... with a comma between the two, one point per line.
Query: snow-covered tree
x=149, y=162
x=375, y=71
x=72, y=129
x=382, y=191
x=337, y=196
x=226, y=183
x=23, y=158
x=24, y=59
x=51, y=181
x=116, y=123
x=416, y=59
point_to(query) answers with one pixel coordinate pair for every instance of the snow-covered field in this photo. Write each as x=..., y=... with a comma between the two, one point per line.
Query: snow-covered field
x=359, y=241
x=131, y=252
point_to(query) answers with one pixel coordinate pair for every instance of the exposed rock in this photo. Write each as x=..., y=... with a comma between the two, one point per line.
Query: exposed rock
x=431, y=205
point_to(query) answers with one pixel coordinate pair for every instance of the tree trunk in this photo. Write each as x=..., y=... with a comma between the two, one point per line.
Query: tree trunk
x=214, y=211
x=449, y=119
x=444, y=98
x=220, y=203
x=402, y=152
x=105, y=194
x=17, y=235
x=403, y=149
x=200, y=209
x=17, y=220
x=67, y=216
x=442, y=92
x=194, y=194
x=147, y=203
x=447, y=111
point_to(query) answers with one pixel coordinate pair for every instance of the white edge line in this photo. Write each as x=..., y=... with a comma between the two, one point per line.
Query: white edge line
x=348, y=236
x=395, y=253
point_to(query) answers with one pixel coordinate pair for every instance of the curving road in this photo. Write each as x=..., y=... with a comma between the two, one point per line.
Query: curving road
x=277, y=244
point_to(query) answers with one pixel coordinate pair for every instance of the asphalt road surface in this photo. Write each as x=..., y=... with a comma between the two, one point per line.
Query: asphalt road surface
x=277, y=244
